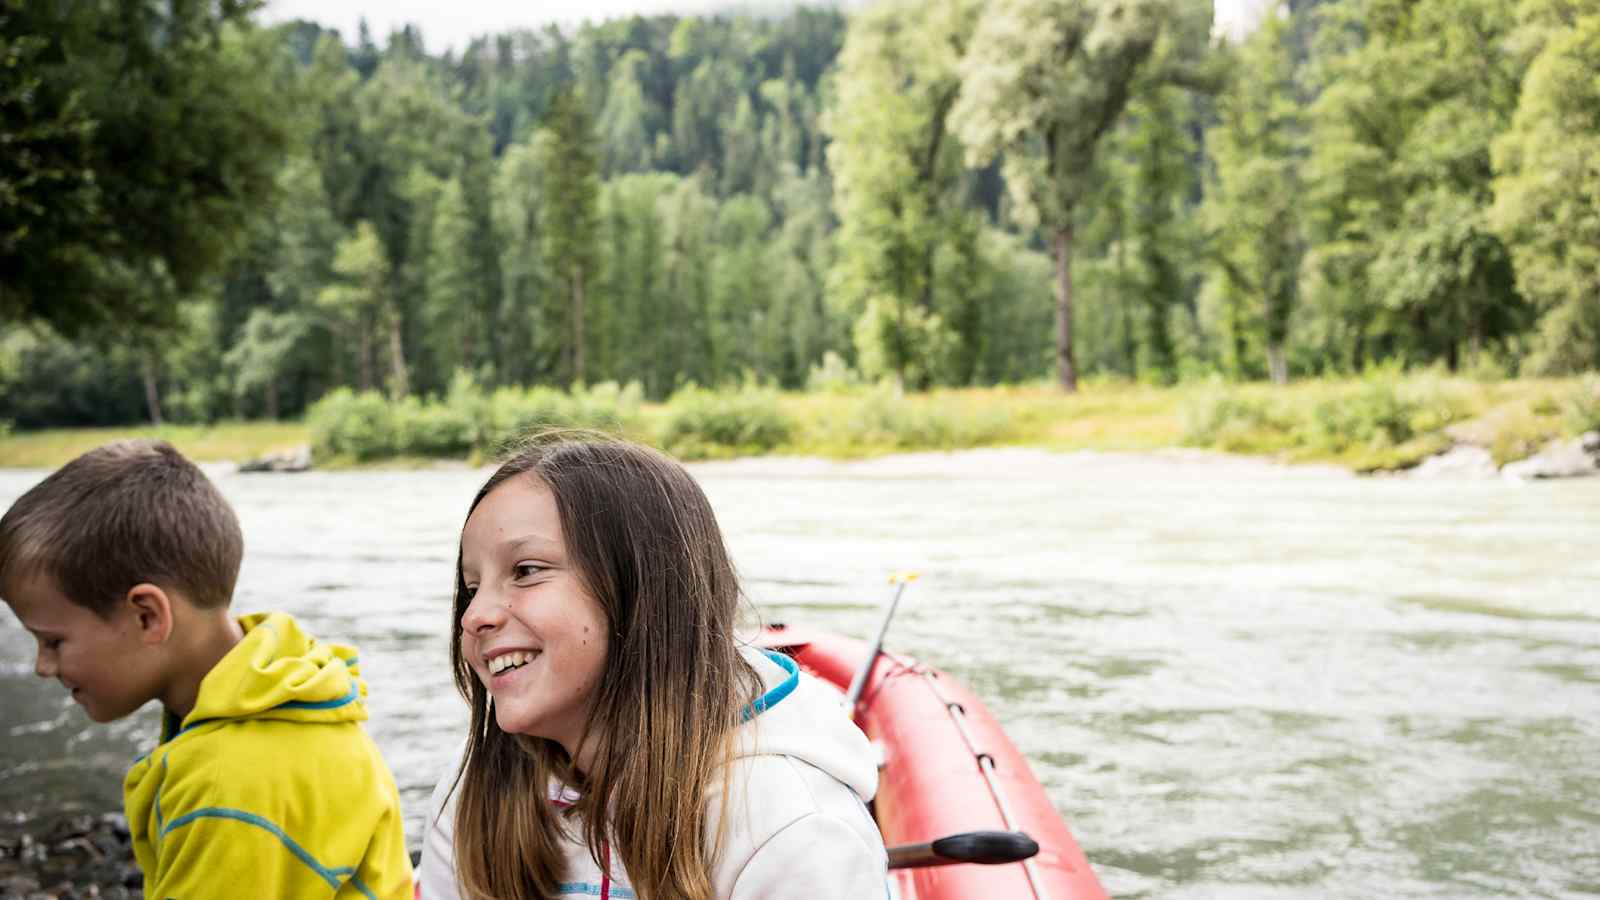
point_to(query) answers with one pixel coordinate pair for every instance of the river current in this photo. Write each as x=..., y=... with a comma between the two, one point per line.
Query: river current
x=1236, y=680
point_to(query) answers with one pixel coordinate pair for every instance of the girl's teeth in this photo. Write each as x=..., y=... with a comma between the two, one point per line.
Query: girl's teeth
x=509, y=661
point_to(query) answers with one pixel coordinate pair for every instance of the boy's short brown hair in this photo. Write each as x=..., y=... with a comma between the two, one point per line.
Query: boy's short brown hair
x=123, y=514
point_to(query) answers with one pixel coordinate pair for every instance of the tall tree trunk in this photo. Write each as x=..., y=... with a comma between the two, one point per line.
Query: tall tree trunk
x=1068, y=371
x=468, y=338
x=1277, y=363
x=338, y=358
x=1130, y=347
x=272, y=399
x=399, y=381
x=577, y=324
x=152, y=390
x=364, y=355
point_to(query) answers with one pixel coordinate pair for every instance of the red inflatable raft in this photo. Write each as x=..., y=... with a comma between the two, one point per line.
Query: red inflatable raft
x=948, y=770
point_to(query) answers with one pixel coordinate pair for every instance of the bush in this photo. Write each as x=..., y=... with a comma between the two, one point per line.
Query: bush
x=1583, y=406
x=1232, y=421
x=360, y=426
x=1376, y=415
x=704, y=423
x=886, y=418
x=833, y=375
x=1518, y=434
x=431, y=429
x=514, y=412
x=606, y=406
x=366, y=426
x=1364, y=423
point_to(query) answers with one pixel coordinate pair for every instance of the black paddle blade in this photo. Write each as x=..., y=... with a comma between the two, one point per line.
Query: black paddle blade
x=986, y=848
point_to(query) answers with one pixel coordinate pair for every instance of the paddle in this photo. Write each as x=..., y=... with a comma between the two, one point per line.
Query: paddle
x=859, y=682
x=987, y=848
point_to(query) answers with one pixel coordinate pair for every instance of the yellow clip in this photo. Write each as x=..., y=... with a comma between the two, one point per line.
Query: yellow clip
x=904, y=577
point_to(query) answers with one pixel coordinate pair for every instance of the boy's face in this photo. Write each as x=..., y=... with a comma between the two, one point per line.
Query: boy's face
x=98, y=660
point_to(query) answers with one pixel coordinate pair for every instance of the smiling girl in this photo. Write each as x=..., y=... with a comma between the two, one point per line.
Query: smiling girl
x=623, y=743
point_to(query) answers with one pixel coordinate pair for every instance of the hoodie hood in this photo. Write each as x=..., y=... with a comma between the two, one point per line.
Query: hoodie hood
x=802, y=717
x=278, y=671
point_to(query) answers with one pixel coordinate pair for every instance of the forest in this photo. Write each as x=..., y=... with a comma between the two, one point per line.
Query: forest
x=203, y=218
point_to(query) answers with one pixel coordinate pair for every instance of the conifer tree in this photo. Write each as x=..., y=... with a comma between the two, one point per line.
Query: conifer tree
x=570, y=218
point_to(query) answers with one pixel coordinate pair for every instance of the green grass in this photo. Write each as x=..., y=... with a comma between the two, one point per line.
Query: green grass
x=1386, y=420
x=204, y=443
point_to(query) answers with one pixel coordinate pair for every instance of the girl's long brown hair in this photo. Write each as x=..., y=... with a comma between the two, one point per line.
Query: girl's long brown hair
x=642, y=536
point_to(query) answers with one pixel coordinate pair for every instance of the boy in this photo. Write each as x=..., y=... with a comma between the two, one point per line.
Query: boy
x=122, y=564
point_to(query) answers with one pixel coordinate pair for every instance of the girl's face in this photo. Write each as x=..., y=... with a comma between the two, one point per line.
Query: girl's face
x=532, y=632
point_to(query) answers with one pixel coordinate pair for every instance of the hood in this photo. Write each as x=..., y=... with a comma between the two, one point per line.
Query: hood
x=802, y=717
x=278, y=671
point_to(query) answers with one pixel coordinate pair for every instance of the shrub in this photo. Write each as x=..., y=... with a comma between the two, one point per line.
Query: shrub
x=1376, y=415
x=513, y=413
x=1583, y=406
x=703, y=423
x=431, y=429
x=345, y=423
x=1435, y=402
x=833, y=375
x=606, y=406
x=1518, y=434
x=884, y=417
x=1231, y=421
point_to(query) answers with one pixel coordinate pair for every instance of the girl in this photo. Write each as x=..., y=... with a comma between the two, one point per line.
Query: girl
x=623, y=744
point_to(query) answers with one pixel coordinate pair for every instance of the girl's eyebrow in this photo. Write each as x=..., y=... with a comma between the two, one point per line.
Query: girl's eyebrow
x=537, y=541
x=534, y=542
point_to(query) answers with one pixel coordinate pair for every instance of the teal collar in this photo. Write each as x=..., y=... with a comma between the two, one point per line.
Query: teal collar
x=775, y=696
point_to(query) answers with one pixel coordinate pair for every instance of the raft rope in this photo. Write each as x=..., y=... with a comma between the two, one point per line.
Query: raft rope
x=986, y=767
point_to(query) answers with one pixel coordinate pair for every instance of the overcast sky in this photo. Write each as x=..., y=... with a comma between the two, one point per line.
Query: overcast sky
x=452, y=24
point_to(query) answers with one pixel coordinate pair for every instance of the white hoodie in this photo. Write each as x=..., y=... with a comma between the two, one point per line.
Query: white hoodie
x=798, y=828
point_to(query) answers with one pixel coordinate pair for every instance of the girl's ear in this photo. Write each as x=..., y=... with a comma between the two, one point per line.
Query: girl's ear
x=152, y=610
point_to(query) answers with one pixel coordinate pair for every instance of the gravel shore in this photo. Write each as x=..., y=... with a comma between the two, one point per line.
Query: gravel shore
x=67, y=858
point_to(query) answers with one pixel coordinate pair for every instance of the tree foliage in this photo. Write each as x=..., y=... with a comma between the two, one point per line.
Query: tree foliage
x=1547, y=203
x=140, y=141
x=912, y=192
x=1043, y=83
x=1253, y=206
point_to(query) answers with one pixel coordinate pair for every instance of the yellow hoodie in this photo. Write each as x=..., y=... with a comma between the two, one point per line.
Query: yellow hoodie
x=270, y=787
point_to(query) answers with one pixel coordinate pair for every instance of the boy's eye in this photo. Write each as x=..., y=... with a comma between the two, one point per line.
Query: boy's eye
x=471, y=590
x=52, y=643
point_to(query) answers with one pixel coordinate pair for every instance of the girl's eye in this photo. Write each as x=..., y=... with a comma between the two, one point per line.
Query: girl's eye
x=524, y=570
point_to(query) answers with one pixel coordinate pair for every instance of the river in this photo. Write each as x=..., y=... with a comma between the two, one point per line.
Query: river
x=1237, y=680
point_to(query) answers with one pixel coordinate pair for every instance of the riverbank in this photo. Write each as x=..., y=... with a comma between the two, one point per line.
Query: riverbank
x=1382, y=422
x=67, y=857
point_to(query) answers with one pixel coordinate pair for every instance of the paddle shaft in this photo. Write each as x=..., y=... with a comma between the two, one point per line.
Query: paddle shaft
x=859, y=682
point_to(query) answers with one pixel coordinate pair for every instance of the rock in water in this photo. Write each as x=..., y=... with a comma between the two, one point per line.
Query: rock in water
x=1460, y=461
x=1576, y=458
x=296, y=460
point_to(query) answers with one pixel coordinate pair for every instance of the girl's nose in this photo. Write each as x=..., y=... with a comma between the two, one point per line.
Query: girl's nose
x=482, y=614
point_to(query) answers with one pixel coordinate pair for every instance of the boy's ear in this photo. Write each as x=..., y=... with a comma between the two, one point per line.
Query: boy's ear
x=152, y=610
